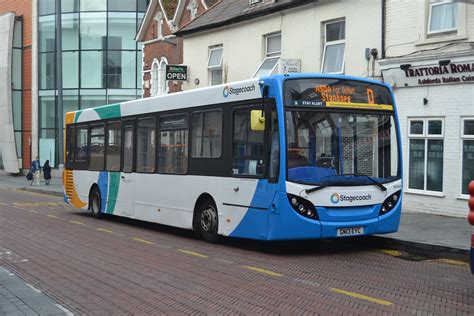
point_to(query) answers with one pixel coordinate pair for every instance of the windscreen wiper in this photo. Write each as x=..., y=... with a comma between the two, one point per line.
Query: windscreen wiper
x=380, y=185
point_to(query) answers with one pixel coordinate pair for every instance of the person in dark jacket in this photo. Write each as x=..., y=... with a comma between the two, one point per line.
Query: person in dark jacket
x=47, y=172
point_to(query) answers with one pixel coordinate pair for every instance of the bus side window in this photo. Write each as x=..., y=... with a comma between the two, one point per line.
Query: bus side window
x=173, y=144
x=146, y=145
x=81, y=144
x=248, y=149
x=71, y=135
x=128, y=149
x=114, y=146
x=274, y=148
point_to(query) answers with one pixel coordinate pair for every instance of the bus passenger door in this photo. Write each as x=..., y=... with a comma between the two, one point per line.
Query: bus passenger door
x=125, y=198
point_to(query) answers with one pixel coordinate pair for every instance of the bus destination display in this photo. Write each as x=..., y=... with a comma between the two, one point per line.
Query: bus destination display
x=336, y=93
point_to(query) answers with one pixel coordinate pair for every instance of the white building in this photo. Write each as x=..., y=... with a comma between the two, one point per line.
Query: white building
x=238, y=39
x=430, y=62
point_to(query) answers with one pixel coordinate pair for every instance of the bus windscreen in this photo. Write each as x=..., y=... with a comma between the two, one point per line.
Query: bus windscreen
x=337, y=93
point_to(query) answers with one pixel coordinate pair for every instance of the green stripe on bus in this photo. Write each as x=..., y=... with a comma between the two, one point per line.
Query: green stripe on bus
x=114, y=182
x=76, y=117
x=109, y=111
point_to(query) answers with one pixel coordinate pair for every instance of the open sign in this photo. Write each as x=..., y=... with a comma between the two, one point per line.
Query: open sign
x=176, y=72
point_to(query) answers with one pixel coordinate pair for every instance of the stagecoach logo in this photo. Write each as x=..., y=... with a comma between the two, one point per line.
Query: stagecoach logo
x=336, y=198
x=229, y=90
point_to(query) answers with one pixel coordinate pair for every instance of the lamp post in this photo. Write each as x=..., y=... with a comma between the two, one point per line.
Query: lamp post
x=59, y=86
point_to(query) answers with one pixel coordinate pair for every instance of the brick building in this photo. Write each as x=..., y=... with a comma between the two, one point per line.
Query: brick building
x=15, y=108
x=160, y=46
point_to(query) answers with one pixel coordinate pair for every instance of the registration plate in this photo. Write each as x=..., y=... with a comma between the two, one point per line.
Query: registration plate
x=350, y=231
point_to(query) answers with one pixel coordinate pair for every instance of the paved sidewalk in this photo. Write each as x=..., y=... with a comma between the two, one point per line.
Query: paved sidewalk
x=19, y=298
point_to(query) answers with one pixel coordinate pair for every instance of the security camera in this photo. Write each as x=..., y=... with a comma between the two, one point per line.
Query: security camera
x=374, y=52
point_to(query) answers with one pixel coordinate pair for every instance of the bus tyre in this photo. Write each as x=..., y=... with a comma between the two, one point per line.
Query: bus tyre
x=208, y=221
x=95, y=203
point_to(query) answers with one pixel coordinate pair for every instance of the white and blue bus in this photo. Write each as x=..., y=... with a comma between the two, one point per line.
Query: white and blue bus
x=281, y=157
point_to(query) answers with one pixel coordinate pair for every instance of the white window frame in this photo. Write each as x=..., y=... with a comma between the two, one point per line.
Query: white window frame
x=463, y=138
x=435, y=4
x=155, y=66
x=217, y=66
x=268, y=56
x=331, y=43
x=162, y=82
x=424, y=136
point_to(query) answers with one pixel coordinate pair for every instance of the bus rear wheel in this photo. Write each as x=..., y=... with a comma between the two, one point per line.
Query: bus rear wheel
x=95, y=203
x=208, y=221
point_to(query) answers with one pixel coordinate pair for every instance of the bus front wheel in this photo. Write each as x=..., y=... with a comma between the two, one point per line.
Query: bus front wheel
x=208, y=221
x=95, y=203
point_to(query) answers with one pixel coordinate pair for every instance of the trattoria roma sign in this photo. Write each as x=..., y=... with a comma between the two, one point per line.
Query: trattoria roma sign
x=453, y=73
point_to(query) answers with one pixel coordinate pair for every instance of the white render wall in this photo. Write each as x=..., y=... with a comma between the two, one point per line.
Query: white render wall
x=406, y=23
x=451, y=102
x=302, y=35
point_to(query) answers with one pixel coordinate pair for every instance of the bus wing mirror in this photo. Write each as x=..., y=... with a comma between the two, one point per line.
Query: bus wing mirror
x=257, y=120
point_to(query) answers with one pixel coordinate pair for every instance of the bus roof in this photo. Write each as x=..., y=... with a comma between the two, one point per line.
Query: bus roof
x=224, y=93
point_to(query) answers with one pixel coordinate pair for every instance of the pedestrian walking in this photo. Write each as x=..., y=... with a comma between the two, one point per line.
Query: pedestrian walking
x=35, y=170
x=47, y=172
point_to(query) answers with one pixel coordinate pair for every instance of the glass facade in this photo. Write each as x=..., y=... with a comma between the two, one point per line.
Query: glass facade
x=17, y=84
x=101, y=60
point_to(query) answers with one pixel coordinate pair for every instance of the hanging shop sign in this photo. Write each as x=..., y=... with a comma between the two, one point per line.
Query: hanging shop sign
x=176, y=72
x=411, y=76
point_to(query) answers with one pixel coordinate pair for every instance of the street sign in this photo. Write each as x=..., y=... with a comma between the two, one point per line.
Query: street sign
x=176, y=72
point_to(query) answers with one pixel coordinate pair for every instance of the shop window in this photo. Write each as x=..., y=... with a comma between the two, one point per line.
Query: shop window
x=467, y=153
x=214, y=65
x=334, y=46
x=426, y=150
x=207, y=134
x=272, y=55
x=442, y=17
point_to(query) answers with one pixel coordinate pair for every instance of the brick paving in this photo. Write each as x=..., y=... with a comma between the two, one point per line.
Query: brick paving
x=120, y=266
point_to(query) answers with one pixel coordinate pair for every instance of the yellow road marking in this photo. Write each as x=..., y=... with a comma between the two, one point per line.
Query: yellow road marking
x=52, y=216
x=362, y=297
x=267, y=272
x=105, y=230
x=33, y=211
x=192, y=253
x=143, y=241
x=36, y=193
x=3, y=204
x=394, y=253
x=452, y=262
x=76, y=222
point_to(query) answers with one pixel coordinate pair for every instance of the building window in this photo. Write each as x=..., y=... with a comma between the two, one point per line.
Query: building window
x=207, y=134
x=154, y=78
x=272, y=55
x=426, y=147
x=467, y=153
x=159, y=24
x=442, y=17
x=214, y=65
x=334, y=46
x=162, y=83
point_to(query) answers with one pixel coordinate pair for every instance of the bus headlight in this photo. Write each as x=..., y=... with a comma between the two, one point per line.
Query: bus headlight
x=390, y=203
x=302, y=206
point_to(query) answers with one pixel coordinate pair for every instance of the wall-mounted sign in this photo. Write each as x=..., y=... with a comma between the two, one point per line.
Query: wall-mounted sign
x=411, y=76
x=176, y=72
x=287, y=66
